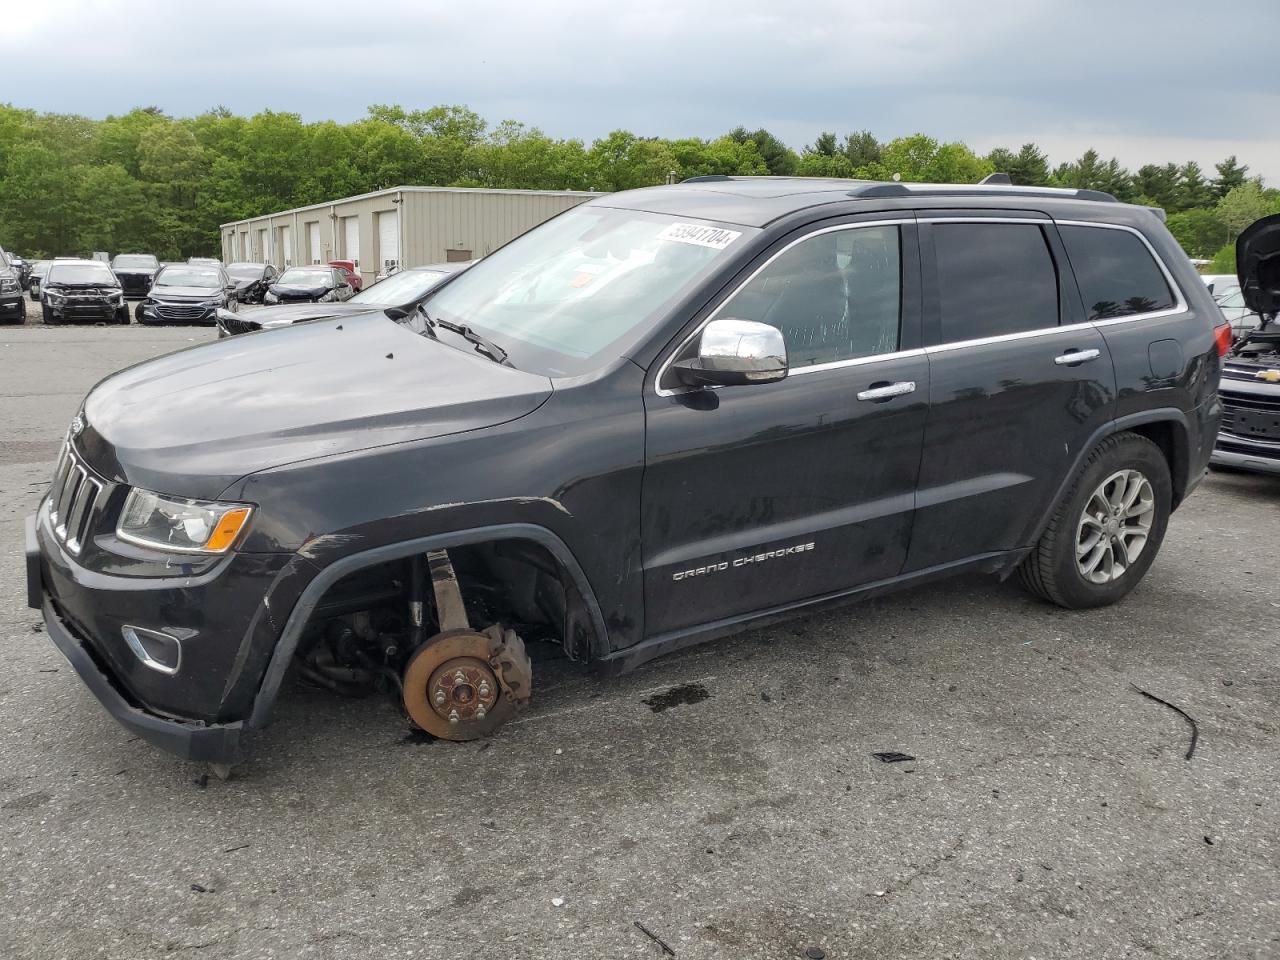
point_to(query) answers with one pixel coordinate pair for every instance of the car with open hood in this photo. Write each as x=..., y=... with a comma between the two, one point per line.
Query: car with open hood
x=135, y=271
x=187, y=293
x=251, y=280
x=82, y=290
x=351, y=271
x=1250, y=389
x=659, y=417
x=397, y=295
x=315, y=284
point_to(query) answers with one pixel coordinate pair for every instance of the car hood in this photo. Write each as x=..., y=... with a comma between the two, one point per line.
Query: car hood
x=185, y=293
x=193, y=422
x=268, y=318
x=1258, y=264
x=299, y=290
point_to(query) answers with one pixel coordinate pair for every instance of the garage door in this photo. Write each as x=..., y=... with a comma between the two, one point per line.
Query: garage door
x=313, y=241
x=264, y=249
x=351, y=238
x=388, y=240
x=286, y=246
x=246, y=247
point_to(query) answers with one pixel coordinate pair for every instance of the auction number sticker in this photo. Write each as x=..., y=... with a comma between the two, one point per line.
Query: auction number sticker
x=695, y=233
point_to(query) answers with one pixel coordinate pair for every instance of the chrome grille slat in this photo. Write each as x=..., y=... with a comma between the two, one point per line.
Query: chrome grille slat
x=74, y=496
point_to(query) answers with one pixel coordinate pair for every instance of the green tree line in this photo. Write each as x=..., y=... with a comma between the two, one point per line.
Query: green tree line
x=146, y=181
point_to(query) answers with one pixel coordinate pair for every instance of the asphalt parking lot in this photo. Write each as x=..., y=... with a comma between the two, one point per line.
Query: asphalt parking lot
x=725, y=798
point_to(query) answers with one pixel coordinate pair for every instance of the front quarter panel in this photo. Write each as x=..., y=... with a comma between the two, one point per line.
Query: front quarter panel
x=573, y=467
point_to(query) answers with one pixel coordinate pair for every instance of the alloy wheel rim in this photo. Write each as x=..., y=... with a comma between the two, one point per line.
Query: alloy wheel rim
x=1114, y=526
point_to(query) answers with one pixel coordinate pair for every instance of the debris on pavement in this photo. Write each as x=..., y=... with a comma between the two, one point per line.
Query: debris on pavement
x=655, y=938
x=557, y=901
x=199, y=889
x=892, y=756
x=1195, y=727
x=815, y=953
x=682, y=695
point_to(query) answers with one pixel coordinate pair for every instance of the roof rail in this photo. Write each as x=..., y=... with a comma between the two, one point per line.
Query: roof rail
x=707, y=178
x=873, y=190
x=1001, y=178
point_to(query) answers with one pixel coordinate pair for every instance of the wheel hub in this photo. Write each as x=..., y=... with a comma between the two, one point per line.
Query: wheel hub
x=1114, y=526
x=462, y=690
x=460, y=684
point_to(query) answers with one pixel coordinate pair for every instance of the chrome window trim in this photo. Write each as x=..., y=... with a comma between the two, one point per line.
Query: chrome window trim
x=791, y=371
x=1180, y=303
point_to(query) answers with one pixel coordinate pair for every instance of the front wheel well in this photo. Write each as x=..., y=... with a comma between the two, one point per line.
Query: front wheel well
x=514, y=581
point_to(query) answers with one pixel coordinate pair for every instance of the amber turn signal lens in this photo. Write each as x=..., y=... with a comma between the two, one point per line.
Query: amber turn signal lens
x=228, y=528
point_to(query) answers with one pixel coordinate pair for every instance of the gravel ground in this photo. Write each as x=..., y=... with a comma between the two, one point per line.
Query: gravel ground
x=725, y=798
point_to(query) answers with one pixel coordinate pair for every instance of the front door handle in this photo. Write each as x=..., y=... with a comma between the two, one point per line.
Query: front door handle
x=887, y=391
x=1073, y=357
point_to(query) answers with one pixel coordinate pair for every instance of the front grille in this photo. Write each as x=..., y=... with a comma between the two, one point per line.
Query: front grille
x=1251, y=417
x=73, y=498
x=181, y=311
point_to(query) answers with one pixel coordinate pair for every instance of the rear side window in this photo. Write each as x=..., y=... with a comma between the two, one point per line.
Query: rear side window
x=994, y=279
x=1115, y=271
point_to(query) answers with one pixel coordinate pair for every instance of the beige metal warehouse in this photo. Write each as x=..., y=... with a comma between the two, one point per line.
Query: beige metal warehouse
x=404, y=226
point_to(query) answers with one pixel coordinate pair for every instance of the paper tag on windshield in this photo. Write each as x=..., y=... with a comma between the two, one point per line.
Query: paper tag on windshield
x=714, y=237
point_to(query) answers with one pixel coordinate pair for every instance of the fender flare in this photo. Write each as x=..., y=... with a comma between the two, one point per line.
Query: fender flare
x=289, y=638
x=1110, y=428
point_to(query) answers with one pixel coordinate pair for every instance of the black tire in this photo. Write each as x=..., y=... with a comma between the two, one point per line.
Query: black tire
x=1051, y=571
x=22, y=311
x=122, y=315
x=47, y=316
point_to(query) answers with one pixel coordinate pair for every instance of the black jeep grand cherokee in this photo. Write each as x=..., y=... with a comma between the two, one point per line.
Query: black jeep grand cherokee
x=660, y=417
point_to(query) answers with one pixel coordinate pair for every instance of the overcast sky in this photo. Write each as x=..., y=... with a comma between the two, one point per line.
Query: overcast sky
x=1146, y=82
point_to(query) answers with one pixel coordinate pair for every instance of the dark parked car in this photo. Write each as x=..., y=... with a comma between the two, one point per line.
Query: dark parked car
x=251, y=280
x=183, y=293
x=660, y=417
x=398, y=295
x=82, y=290
x=1250, y=434
x=13, y=305
x=309, y=285
x=38, y=271
x=136, y=272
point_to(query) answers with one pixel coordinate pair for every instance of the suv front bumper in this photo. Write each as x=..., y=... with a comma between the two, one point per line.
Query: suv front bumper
x=203, y=711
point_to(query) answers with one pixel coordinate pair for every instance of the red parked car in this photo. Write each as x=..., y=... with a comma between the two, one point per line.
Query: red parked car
x=353, y=273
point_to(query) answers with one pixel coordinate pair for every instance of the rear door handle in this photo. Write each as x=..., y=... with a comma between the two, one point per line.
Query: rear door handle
x=1072, y=357
x=888, y=391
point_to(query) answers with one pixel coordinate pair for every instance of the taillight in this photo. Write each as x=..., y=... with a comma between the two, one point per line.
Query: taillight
x=1222, y=334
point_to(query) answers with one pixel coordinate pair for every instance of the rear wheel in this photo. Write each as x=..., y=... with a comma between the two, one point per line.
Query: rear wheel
x=1106, y=531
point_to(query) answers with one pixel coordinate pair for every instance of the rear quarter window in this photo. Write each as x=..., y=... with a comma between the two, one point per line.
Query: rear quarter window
x=1115, y=270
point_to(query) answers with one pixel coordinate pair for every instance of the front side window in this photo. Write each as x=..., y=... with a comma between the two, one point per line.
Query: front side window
x=994, y=279
x=558, y=296
x=835, y=296
x=1115, y=271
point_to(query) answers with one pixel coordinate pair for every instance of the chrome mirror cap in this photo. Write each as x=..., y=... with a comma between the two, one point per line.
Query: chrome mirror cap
x=733, y=352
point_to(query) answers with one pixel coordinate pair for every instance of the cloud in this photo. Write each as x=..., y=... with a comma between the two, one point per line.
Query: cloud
x=1127, y=79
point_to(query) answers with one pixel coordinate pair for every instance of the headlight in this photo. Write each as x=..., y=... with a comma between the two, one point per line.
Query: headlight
x=270, y=298
x=183, y=526
x=8, y=285
x=54, y=296
x=118, y=297
x=329, y=297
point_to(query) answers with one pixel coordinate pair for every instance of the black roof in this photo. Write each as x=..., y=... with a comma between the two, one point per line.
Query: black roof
x=756, y=201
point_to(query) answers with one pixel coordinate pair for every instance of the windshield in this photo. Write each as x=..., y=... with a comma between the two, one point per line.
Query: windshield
x=82, y=273
x=400, y=288
x=135, y=260
x=558, y=296
x=308, y=278
x=41, y=267
x=188, y=277
x=246, y=271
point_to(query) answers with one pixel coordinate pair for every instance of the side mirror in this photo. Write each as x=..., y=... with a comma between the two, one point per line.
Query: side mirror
x=733, y=352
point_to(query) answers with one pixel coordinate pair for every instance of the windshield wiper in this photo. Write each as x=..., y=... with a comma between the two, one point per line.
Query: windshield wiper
x=430, y=328
x=482, y=345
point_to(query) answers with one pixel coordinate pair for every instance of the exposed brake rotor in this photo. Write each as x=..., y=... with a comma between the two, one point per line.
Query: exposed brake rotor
x=463, y=684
